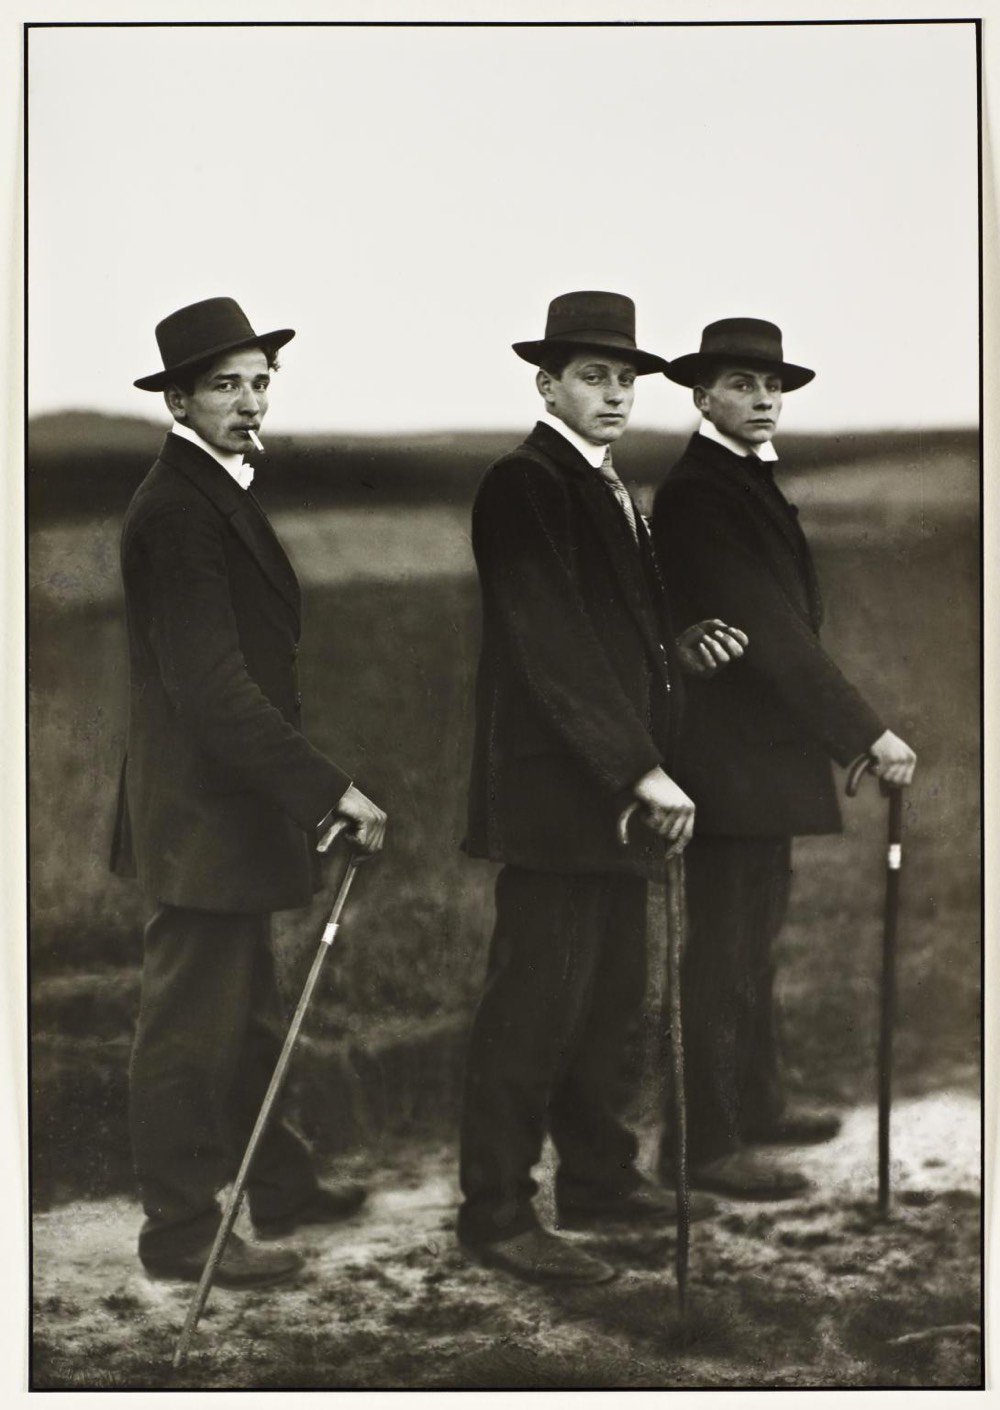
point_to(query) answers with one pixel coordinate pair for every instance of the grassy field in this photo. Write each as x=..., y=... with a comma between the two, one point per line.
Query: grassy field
x=389, y=654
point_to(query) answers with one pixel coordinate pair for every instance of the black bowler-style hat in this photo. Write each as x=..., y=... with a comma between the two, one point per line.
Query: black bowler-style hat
x=590, y=319
x=741, y=341
x=201, y=331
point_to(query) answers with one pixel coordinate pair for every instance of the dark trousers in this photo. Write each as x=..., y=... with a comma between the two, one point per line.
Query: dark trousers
x=737, y=895
x=209, y=1033
x=549, y=1044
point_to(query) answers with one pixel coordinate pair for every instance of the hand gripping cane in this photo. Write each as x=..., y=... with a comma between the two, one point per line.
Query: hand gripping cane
x=236, y=1193
x=894, y=859
x=676, y=924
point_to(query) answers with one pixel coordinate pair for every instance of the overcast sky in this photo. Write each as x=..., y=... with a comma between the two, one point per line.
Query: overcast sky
x=410, y=199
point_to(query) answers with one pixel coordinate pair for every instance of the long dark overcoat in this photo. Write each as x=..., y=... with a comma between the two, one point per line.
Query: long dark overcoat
x=222, y=792
x=756, y=740
x=576, y=695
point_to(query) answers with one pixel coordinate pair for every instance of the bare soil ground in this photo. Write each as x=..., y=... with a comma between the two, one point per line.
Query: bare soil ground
x=815, y=1292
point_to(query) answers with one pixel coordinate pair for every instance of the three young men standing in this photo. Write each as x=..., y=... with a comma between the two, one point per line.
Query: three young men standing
x=578, y=715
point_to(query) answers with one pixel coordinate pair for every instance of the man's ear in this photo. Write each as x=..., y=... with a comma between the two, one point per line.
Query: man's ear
x=543, y=381
x=174, y=399
x=701, y=399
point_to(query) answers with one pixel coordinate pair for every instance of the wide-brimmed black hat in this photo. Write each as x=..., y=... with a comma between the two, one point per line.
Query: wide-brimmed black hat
x=590, y=319
x=752, y=342
x=201, y=331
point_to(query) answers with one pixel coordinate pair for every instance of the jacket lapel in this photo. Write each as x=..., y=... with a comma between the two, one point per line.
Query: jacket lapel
x=627, y=561
x=245, y=516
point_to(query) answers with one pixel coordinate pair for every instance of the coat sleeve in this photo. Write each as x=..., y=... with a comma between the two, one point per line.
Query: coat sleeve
x=704, y=547
x=194, y=637
x=521, y=541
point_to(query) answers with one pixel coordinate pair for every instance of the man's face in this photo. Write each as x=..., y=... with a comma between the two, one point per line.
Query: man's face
x=228, y=400
x=742, y=403
x=593, y=396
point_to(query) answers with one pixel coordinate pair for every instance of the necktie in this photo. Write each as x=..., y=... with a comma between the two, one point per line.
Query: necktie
x=609, y=475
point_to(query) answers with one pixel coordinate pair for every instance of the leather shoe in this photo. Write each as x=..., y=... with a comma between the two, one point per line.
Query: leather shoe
x=799, y=1126
x=541, y=1257
x=329, y=1203
x=242, y=1265
x=648, y=1203
x=746, y=1174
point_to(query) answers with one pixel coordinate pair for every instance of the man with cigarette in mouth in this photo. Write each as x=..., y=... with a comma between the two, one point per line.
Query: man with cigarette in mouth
x=222, y=805
x=576, y=716
x=755, y=750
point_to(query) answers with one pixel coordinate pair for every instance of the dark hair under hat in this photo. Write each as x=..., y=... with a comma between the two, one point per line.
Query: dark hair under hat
x=742, y=341
x=202, y=331
x=591, y=319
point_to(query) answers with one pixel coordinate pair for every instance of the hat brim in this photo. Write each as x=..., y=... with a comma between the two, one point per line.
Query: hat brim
x=156, y=381
x=692, y=369
x=644, y=362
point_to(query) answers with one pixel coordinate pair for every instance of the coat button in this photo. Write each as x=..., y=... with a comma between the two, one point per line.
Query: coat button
x=298, y=700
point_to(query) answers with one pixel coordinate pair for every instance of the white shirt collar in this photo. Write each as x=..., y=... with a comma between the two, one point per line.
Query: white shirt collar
x=230, y=460
x=593, y=455
x=765, y=451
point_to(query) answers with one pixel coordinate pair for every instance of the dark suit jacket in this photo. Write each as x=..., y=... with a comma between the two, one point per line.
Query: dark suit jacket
x=757, y=740
x=575, y=696
x=222, y=793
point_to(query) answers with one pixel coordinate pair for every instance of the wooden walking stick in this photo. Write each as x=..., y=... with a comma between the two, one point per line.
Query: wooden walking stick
x=887, y=1006
x=239, y=1185
x=676, y=931
x=676, y=934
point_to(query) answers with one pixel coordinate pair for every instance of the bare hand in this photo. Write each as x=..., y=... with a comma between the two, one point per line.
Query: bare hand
x=893, y=760
x=709, y=645
x=666, y=809
x=368, y=830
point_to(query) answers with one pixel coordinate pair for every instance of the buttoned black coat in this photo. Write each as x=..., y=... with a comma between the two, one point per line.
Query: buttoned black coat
x=221, y=790
x=576, y=694
x=756, y=740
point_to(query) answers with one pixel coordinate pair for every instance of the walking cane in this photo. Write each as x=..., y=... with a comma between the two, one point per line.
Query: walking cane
x=676, y=927
x=894, y=859
x=236, y=1193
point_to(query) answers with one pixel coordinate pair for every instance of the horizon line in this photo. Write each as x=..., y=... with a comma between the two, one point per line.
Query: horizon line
x=497, y=428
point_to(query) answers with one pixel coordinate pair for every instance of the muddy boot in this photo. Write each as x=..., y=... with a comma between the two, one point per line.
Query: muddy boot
x=798, y=1126
x=242, y=1265
x=540, y=1257
x=329, y=1203
x=647, y=1203
x=748, y=1174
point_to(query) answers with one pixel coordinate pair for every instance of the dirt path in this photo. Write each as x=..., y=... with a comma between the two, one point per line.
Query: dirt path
x=810, y=1293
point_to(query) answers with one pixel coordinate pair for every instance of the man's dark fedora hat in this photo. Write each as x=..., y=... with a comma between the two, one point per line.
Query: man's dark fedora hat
x=202, y=331
x=751, y=342
x=591, y=320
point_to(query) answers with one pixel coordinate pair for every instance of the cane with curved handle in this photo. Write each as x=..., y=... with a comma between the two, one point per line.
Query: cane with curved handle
x=865, y=764
x=894, y=861
x=625, y=819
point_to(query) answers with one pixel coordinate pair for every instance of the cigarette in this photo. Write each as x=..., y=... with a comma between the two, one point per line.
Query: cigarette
x=256, y=440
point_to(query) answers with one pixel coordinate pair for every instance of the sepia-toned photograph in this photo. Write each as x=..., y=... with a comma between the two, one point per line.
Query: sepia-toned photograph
x=504, y=651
